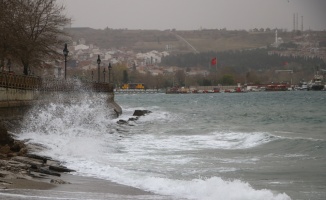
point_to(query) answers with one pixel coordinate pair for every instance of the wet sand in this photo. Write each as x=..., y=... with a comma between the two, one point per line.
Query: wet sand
x=87, y=184
x=76, y=187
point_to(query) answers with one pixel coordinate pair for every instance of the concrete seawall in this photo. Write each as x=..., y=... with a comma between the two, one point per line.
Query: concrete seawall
x=18, y=93
x=14, y=103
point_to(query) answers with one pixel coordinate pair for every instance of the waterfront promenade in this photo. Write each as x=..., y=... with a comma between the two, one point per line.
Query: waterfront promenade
x=19, y=92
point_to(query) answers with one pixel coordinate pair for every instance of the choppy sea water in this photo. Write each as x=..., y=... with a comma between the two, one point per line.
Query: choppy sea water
x=244, y=146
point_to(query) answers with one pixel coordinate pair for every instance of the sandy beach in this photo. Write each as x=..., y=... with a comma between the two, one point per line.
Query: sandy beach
x=73, y=183
x=75, y=187
x=94, y=185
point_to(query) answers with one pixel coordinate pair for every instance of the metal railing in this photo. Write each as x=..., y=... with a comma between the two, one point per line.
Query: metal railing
x=60, y=85
x=19, y=81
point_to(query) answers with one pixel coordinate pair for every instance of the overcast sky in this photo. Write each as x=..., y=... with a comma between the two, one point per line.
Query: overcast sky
x=196, y=14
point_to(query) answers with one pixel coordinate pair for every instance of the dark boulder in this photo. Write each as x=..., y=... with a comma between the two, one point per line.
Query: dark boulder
x=5, y=137
x=17, y=146
x=60, y=169
x=45, y=170
x=139, y=113
x=35, y=156
x=121, y=121
x=59, y=181
x=133, y=119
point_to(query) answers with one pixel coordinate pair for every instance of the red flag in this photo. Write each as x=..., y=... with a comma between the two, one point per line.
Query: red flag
x=214, y=61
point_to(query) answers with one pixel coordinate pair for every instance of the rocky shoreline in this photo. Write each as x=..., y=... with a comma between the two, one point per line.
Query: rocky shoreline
x=17, y=163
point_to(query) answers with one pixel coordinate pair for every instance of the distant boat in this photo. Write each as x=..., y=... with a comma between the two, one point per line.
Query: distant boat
x=277, y=87
x=303, y=85
x=316, y=83
x=177, y=90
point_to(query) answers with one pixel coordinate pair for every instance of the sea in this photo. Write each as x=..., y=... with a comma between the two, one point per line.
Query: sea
x=213, y=146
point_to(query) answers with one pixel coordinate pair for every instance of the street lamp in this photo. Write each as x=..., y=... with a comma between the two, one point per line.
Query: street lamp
x=65, y=53
x=109, y=67
x=98, y=67
x=9, y=64
x=104, y=74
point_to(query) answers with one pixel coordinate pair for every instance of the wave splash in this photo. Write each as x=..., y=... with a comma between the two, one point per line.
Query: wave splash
x=210, y=189
x=80, y=135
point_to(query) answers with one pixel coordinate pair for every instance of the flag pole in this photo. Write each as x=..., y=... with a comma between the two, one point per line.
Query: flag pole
x=216, y=69
x=216, y=63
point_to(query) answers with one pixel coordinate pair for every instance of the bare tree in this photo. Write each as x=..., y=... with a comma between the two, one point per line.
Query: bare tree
x=4, y=40
x=35, y=28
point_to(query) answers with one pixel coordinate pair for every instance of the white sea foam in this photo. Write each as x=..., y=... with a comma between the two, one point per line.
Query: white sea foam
x=79, y=136
x=210, y=188
x=13, y=194
x=164, y=142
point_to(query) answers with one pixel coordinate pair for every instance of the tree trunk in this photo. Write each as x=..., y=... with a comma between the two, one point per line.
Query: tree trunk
x=25, y=68
x=2, y=67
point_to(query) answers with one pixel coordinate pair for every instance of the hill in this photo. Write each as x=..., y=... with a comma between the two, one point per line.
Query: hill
x=175, y=41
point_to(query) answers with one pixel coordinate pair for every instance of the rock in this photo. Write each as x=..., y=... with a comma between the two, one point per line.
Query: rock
x=3, y=156
x=18, y=166
x=52, y=163
x=133, y=118
x=23, y=176
x=121, y=121
x=141, y=112
x=5, y=149
x=5, y=137
x=3, y=182
x=10, y=147
x=58, y=181
x=116, y=112
x=4, y=174
x=33, y=147
x=44, y=170
x=35, y=163
x=10, y=155
x=60, y=169
x=16, y=163
x=22, y=152
x=38, y=157
x=17, y=146
x=38, y=175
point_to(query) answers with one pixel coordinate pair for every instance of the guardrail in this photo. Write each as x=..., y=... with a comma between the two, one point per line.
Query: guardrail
x=8, y=80
x=23, y=82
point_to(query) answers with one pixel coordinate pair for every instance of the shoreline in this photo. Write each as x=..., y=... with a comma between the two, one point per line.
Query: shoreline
x=19, y=180
x=67, y=186
x=97, y=185
x=73, y=183
x=21, y=171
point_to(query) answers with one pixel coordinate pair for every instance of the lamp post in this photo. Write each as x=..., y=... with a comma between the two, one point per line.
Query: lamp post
x=65, y=53
x=2, y=65
x=104, y=74
x=9, y=64
x=92, y=75
x=109, y=68
x=98, y=67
